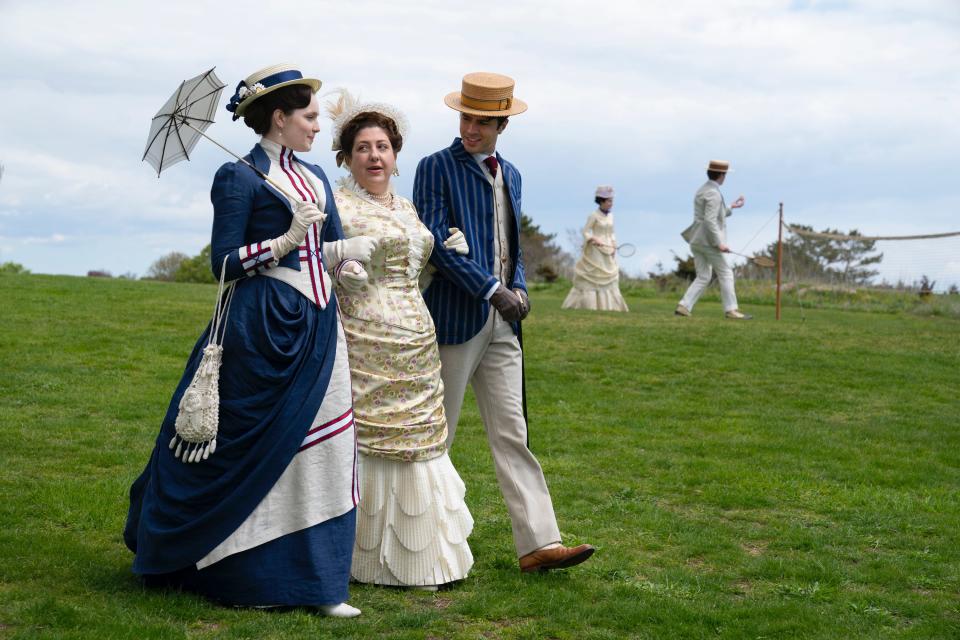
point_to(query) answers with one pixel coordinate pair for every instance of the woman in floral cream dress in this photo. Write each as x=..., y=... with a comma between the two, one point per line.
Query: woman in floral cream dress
x=412, y=524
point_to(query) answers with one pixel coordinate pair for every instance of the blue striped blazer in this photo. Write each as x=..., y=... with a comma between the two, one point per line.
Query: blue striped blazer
x=451, y=190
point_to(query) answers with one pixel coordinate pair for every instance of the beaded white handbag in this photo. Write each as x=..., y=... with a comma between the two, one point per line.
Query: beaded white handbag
x=199, y=412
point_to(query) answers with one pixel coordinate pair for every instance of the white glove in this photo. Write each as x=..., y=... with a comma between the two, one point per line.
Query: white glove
x=457, y=241
x=358, y=248
x=304, y=215
x=352, y=276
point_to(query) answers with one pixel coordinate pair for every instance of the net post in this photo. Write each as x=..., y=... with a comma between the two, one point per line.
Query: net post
x=779, y=257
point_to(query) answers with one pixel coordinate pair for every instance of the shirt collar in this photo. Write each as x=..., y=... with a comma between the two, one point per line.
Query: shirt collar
x=272, y=149
x=480, y=157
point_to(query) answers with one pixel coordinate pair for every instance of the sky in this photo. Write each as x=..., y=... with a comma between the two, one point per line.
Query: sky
x=846, y=111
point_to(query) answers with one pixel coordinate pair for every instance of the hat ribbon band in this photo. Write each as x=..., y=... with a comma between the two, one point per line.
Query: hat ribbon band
x=283, y=76
x=486, y=105
x=269, y=81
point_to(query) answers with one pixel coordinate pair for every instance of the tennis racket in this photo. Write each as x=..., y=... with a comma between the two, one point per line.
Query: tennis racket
x=624, y=250
x=760, y=261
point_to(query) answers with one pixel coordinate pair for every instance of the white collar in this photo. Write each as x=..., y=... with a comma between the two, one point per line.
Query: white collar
x=481, y=157
x=273, y=150
x=349, y=183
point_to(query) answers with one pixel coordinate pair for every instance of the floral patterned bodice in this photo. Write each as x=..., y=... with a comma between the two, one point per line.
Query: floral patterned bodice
x=392, y=295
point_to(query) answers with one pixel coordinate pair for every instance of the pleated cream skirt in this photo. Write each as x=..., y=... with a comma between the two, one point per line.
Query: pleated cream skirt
x=601, y=298
x=412, y=523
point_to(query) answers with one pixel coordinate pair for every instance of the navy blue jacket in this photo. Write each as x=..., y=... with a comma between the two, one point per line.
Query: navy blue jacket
x=247, y=210
x=451, y=190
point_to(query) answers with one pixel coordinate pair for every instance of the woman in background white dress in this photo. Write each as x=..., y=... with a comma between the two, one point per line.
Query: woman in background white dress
x=596, y=279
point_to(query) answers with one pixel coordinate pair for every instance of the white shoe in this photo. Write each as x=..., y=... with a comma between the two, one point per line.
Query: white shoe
x=424, y=587
x=342, y=610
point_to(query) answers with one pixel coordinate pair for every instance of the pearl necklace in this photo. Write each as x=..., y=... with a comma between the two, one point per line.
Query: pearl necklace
x=384, y=199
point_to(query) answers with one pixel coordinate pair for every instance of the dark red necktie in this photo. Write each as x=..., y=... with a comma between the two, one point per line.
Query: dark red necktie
x=491, y=162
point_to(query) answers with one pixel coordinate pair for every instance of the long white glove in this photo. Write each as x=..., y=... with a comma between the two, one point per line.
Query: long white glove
x=352, y=276
x=457, y=241
x=356, y=248
x=304, y=215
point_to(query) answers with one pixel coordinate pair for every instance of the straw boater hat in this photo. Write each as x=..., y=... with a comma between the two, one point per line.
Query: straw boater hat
x=720, y=166
x=486, y=94
x=604, y=191
x=262, y=82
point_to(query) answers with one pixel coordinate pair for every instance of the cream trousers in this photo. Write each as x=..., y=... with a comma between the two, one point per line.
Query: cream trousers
x=707, y=260
x=491, y=362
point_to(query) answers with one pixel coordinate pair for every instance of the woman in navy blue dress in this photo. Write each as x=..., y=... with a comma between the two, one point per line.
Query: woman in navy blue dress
x=268, y=519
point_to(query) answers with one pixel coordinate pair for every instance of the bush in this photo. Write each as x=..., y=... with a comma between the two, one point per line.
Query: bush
x=13, y=268
x=165, y=267
x=196, y=269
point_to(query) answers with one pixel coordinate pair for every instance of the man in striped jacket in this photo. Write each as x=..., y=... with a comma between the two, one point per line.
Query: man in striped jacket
x=478, y=300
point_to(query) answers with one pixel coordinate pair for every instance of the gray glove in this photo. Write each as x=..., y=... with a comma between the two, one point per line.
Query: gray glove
x=304, y=215
x=508, y=303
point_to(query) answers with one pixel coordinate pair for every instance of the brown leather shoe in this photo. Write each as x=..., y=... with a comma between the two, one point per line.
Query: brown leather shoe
x=555, y=558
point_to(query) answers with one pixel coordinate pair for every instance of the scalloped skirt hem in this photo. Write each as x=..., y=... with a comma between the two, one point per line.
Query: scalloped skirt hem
x=412, y=523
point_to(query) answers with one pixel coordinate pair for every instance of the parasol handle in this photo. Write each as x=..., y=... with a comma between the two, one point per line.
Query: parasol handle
x=273, y=183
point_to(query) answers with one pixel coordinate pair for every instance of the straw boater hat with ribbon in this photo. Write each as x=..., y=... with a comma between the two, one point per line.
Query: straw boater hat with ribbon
x=486, y=95
x=720, y=166
x=262, y=82
x=604, y=191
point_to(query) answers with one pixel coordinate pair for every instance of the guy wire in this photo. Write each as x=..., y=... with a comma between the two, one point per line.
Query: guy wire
x=744, y=249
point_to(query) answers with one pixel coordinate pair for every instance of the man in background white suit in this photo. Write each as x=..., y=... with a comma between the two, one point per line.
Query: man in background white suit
x=707, y=237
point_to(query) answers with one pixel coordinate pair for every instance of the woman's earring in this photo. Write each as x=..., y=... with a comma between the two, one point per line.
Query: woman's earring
x=396, y=171
x=280, y=132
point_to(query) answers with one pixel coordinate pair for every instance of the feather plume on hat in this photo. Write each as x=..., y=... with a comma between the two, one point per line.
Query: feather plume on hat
x=346, y=107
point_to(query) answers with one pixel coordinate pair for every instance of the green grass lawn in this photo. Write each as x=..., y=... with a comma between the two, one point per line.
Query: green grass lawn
x=792, y=479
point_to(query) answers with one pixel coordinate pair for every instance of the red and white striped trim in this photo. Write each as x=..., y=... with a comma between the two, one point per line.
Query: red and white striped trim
x=311, y=250
x=289, y=167
x=327, y=430
x=256, y=258
x=311, y=253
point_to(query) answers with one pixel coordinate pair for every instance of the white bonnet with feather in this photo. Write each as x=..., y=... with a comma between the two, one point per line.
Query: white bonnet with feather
x=347, y=107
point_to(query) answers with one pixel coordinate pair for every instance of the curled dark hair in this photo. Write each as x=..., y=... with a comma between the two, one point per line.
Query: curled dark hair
x=365, y=120
x=713, y=175
x=259, y=113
